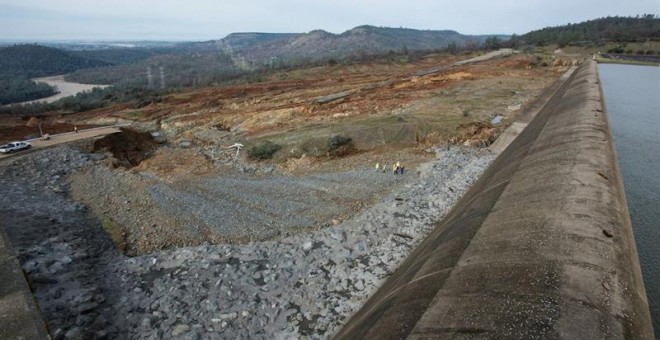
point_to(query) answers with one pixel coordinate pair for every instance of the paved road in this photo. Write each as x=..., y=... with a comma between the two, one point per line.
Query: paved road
x=65, y=138
x=490, y=55
x=503, y=52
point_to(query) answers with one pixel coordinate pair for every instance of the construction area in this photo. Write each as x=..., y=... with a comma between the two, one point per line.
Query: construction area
x=162, y=231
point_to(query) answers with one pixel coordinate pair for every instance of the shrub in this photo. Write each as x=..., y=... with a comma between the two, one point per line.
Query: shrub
x=337, y=141
x=114, y=231
x=339, y=145
x=315, y=147
x=264, y=150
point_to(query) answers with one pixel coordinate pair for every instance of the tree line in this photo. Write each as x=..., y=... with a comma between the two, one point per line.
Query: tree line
x=20, y=89
x=19, y=63
x=608, y=29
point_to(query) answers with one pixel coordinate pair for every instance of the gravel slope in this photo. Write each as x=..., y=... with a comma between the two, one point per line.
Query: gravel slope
x=230, y=207
x=299, y=286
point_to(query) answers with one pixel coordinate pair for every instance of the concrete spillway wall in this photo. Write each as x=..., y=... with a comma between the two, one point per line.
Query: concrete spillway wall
x=19, y=314
x=541, y=247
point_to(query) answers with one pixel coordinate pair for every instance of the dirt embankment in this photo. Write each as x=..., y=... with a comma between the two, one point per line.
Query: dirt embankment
x=379, y=104
x=176, y=198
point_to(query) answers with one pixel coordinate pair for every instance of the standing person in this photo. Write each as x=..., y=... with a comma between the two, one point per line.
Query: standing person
x=75, y=129
x=394, y=169
x=377, y=167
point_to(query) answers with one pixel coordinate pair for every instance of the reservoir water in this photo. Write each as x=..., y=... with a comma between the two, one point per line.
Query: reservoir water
x=632, y=96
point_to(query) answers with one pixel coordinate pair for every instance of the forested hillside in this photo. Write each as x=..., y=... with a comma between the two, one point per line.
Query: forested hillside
x=38, y=61
x=166, y=71
x=116, y=56
x=20, y=89
x=19, y=63
x=614, y=29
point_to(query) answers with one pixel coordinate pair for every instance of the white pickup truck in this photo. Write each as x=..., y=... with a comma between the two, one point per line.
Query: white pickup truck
x=15, y=146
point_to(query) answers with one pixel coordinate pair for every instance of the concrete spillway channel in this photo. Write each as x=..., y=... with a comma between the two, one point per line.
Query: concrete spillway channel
x=541, y=247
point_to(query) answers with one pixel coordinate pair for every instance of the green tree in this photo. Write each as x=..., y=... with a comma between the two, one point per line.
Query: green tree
x=452, y=47
x=492, y=43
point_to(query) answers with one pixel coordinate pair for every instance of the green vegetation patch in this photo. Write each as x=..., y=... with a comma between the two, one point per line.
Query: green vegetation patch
x=115, y=232
x=20, y=89
x=264, y=150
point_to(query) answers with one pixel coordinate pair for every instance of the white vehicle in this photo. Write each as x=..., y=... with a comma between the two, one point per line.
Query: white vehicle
x=15, y=146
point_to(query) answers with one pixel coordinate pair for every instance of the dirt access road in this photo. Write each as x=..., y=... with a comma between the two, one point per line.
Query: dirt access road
x=67, y=137
x=65, y=88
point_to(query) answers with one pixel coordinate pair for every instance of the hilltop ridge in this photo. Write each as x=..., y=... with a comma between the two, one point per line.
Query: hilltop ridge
x=319, y=44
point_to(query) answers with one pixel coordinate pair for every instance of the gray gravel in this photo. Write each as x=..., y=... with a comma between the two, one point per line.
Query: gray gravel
x=229, y=207
x=299, y=286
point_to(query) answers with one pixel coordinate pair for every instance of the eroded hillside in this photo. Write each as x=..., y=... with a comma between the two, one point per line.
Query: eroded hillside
x=383, y=113
x=375, y=104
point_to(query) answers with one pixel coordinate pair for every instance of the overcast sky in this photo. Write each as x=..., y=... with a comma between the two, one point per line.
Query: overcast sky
x=213, y=19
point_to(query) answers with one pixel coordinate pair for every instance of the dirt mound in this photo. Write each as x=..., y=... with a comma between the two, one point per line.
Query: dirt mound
x=478, y=134
x=129, y=147
x=170, y=163
x=33, y=122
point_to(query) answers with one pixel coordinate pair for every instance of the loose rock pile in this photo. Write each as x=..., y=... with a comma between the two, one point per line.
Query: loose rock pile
x=299, y=286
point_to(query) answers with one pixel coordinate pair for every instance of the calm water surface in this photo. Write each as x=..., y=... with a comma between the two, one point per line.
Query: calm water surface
x=632, y=96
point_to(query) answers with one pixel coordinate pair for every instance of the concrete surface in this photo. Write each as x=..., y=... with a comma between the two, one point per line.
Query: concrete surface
x=541, y=247
x=19, y=315
x=528, y=113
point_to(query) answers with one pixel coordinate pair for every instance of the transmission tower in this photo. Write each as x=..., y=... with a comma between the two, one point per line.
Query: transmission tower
x=150, y=77
x=162, y=77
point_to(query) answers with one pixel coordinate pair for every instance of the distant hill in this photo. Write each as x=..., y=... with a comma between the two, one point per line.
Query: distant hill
x=259, y=48
x=37, y=61
x=123, y=55
x=200, y=63
x=241, y=42
x=604, y=29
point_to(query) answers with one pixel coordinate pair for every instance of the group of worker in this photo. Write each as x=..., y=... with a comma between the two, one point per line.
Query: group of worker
x=397, y=168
